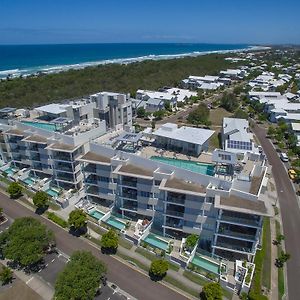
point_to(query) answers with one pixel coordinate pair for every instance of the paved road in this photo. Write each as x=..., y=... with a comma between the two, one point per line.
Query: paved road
x=290, y=212
x=136, y=284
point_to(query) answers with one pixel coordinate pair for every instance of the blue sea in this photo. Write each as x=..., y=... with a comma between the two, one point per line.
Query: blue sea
x=16, y=60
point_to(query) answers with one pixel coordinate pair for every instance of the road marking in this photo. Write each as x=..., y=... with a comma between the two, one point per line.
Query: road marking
x=114, y=292
x=29, y=280
x=47, y=265
x=40, y=270
x=53, y=260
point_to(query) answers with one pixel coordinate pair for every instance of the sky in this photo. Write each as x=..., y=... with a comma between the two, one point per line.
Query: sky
x=147, y=21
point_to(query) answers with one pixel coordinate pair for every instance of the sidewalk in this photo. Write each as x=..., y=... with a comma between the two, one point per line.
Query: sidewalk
x=274, y=270
x=35, y=283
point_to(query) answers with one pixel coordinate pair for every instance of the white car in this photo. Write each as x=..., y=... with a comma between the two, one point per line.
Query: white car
x=284, y=157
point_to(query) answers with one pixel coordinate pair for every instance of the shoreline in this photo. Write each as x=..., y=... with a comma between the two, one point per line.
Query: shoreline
x=47, y=69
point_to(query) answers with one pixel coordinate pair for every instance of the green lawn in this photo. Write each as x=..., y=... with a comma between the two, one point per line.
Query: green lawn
x=266, y=270
x=181, y=286
x=134, y=261
x=124, y=243
x=216, y=115
x=214, y=141
x=281, y=288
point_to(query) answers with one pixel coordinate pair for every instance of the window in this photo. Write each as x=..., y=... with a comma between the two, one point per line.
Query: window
x=157, y=182
x=150, y=206
x=104, y=179
x=225, y=156
x=145, y=194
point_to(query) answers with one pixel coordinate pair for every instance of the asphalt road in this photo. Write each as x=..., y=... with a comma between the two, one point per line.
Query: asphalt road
x=290, y=212
x=133, y=282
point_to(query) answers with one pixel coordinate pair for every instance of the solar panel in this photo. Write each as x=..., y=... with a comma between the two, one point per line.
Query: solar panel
x=239, y=145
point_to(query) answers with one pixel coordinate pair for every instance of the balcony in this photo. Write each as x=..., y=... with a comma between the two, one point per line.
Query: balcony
x=235, y=234
x=35, y=157
x=62, y=157
x=129, y=206
x=129, y=196
x=90, y=169
x=64, y=177
x=243, y=221
x=175, y=200
x=129, y=183
x=174, y=213
x=173, y=225
x=64, y=167
x=234, y=247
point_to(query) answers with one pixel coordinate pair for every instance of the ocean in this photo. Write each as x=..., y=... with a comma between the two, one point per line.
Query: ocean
x=16, y=60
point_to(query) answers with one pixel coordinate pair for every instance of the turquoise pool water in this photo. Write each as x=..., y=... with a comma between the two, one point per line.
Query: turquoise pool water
x=202, y=168
x=152, y=240
x=52, y=193
x=46, y=126
x=115, y=223
x=96, y=214
x=29, y=181
x=10, y=171
x=206, y=264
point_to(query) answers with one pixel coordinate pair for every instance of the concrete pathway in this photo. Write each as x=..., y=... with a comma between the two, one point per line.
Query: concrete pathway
x=34, y=282
x=274, y=270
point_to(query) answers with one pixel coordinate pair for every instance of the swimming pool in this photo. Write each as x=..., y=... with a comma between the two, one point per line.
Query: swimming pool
x=96, y=214
x=46, y=126
x=10, y=171
x=115, y=223
x=206, y=264
x=52, y=193
x=153, y=240
x=197, y=167
x=29, y=181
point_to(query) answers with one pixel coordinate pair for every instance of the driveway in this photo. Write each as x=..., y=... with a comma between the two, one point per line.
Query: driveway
x=290, y=212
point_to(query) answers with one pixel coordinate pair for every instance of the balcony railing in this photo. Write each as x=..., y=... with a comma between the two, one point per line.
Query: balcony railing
x=129, y=183
x=236, y=234
x=234, y=247
x=174, y=225
x=63, y=157
x=174, y=213
x=237, y=220
x=129, y=195
x=175, y=200
x=65, y=178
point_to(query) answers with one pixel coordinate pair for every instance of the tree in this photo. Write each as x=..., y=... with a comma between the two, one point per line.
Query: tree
x=77, y=219
x=109, y=241
x=292, y=140
x=279, y=239
x=211, y=291
x=158, y=268
x=271, y=131
x=26, y=241
x=159, y=114
x=240, y=114
x=81, y=277
x=40, y=199
x=191, y=241
x=141, y=112
x=14, y=190
x=229, y=102
x=199, y=115
x=6, y=275
x=167, y=105
x=283, y=258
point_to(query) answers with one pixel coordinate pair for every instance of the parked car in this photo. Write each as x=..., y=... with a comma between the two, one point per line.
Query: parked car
x=260, y=149
x=283, y=156
x=292, y=174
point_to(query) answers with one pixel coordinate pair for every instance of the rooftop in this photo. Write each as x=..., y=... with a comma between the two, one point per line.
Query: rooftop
x=95, y=158
x=62, y=147
x=182, y=185
x=186, y=134
x=14, y=132
x=242, y=205
x=133, y=170
x=36, y=139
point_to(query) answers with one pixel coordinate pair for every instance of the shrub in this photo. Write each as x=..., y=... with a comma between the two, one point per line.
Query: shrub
x=211, y=291
x=109, y=241
x=56, y=219
x=14, y=190
x=158, y=269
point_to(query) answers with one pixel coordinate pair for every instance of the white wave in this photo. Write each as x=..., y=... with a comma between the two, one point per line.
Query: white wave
x=61, y=68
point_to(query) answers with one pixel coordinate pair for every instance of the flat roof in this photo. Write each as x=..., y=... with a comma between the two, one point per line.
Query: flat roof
x=235, y=203
x=185, y=134
x=6, y=110
x=36, y=139
x=14, y=132
x=131, y=170
x=256, y=183
x=62, y=147
x=95, y=158
x=296, y=126
x=180, y=185
x=53, y=108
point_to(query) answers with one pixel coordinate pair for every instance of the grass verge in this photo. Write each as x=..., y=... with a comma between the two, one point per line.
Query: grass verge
x=178, y=284
x=281, y=287
x=133, y=261
x=124, y=243
x=56, y=219
x=256, y=286
x=266, y=269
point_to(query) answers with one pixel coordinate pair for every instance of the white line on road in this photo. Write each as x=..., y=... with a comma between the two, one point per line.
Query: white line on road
x=47, y=265
x=40, y=270
x=29, y=280
x=53, y=260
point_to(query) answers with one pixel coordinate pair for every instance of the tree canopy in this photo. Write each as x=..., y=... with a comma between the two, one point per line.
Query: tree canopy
x=191, y=241
x=199, y=115
x=40, y=199
x=158, y=268
x=229, y=102
x=211, y=291
x=6, y=275
x=14, y=190
x=81, y=277
x=109, y=241
x=26, y=240
x=77, y=218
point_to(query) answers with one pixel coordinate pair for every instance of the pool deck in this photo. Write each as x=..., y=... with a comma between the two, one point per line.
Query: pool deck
x=150, y=151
